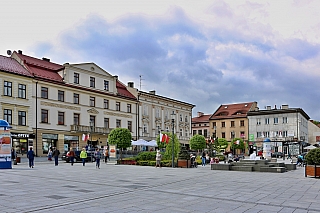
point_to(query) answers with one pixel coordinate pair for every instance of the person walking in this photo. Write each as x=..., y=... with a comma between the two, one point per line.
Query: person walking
x=50, y=154
x=203, y=158
x=97, y=155
x=71, y=156
x=83, y=156
x=13, y=156
x=30, y=156
x=158, y=159
x=56, y=154
x=289, y=156
x=106, y=156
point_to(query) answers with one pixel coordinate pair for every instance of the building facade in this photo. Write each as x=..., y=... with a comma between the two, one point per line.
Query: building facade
x=201, y=126
x=286, y=128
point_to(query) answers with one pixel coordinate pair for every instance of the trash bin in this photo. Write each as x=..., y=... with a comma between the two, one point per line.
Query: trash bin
x=18, y=159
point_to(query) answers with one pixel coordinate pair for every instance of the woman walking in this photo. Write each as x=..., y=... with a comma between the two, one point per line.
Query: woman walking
x=97, y=155
x=83, y=156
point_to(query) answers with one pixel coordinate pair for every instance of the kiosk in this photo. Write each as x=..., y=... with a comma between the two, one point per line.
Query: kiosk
x=5, y=145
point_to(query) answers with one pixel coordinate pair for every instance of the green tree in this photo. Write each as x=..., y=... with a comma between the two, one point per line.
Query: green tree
x=120, y=137
x=237, y=143
x=168, y=146
x=223, y=143
x=316, y=122
x=197, y=142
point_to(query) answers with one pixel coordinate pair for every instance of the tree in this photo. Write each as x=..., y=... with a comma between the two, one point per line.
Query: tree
x=168, y=146
x=223, y=143
x=237, y=143
x=197, y=142
x=120, y=137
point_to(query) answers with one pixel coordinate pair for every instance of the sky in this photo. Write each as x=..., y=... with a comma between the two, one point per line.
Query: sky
x=205, y=53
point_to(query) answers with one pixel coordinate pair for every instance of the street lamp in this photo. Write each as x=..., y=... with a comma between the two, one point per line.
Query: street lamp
x=172, y=118
x=91, y=129
x=232, y=137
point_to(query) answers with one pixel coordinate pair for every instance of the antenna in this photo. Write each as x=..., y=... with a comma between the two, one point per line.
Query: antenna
x=140, y=76
x=9, y=52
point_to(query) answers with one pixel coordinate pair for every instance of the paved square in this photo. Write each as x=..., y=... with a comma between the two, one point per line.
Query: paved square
x=125, y=188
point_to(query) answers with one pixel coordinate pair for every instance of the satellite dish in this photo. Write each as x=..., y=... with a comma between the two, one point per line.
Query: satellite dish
x=9, y=52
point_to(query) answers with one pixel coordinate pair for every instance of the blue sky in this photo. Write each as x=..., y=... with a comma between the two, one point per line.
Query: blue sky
x=206, y=53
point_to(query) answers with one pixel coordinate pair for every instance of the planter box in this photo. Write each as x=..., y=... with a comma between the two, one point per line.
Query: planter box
x=184, y=163
x=127, y=162
x=312, y=170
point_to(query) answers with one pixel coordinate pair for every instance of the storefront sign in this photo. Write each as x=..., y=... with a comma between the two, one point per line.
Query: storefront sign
x=19, y=135
x=50, y=136
x=71, y=138
x=251, y=137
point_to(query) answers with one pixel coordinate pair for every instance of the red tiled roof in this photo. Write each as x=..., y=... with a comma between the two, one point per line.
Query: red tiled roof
x=201, y=119
x=233, y=110
x=35, y=62
x=11, y=65
x=122, y=91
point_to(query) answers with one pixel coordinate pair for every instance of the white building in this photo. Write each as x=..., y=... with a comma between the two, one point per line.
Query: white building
x=286, y=128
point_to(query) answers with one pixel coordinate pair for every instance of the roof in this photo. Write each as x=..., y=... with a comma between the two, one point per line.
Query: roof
x=41, y=68
x=233, y=110
x=201, y=119
x=122, y=91
x=11, y=65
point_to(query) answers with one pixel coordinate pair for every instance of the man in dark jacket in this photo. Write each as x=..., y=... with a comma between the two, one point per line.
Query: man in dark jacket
x=56, y=154
x=30, y=156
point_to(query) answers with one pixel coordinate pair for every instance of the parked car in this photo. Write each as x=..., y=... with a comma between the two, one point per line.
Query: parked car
x=77, y=157
x=277, y=155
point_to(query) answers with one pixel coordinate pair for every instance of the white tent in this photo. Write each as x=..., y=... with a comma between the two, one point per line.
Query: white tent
x=309, y=147
x=139, y=142
x=152, y=143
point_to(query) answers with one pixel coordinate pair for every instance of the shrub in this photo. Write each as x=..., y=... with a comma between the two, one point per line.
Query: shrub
x=313, y=157
x=145, y=156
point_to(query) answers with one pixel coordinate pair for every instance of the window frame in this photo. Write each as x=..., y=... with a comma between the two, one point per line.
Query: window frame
x=44, y=116
x=92, y=82
x=76, y=78
x=60, y=95
x=44, y=92
x=76, y=119
x=118, y=106
x=22, y=118
x=118, y=123
x=105, y=103
x=106, y=85
x=76, y=98
x=22, y=91
x=92, y=101
x=129, y=108
x=106, y=123
x=7, y=88
x=7, y=115
x=61, y=118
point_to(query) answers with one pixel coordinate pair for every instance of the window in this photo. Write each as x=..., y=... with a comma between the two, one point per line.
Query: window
x=118, y=123
x=75, y=98
x=214, y=124
x=60, y=118
x=180, y=117
x=158, y=130
x=92, y=82
x=232, y=123
x=157, y=113
x=145, y=129
x=44, y=92
x=205, y=133
x=285, y=120
x=267, y=134
x=259, y=135
x=92, y=120
x=284, y=133
x=223, y=134
x=76, y=78
x=181, y=133
x=76, y=119
x=186, y=119
x=130, y=126
x=200, y=132
x=22, y=118
x=106, y=85
x=7, y=115
x=106, y=103
x=266, y=121
x=145, y=110
x=194, y=132
x=242, y=134
x=223, y=124
x=258, y=121
x=129, y=108
x=275, y=120
x=117, y=106
x=60, y=95
x=44, y=116
x=92, y=101
x=106, y=122
x=7, y=88
x=21, y=91
x=241, y=122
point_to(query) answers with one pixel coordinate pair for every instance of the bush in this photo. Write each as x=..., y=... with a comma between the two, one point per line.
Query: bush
x=145, y=156
x=313, y=157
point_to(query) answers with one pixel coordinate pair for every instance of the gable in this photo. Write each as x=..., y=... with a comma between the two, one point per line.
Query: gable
x=92, y=67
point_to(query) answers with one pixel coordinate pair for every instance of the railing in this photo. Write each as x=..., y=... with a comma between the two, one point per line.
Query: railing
x=81, y=128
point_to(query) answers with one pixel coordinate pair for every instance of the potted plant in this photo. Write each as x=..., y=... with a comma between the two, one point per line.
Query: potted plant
x=313, y=163
x=184, y=158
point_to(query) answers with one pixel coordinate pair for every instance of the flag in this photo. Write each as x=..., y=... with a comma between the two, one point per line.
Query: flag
x=163, y=137
x=83, y=137
x=167, y=138
x=237, y=142
x=87, y=137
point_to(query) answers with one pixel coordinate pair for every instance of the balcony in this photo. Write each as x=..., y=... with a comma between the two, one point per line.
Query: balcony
x=87, y=129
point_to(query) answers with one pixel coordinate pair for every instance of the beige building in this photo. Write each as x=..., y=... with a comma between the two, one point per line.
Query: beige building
x=201, y=126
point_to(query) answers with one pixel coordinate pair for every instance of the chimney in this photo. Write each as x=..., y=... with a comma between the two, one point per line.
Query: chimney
x=200, y=114
x=275, y=106
x=256, y=109
x=20, y=52
x=268, y=107
x=116, y=77
x=130, y=84
x=285, y=106
x=153, y=92
x=46, y=59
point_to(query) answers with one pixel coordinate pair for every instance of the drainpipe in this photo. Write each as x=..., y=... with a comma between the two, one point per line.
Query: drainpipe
x=37, y=118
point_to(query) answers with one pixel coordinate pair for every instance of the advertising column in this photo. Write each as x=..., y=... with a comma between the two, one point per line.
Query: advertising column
x=5, y=145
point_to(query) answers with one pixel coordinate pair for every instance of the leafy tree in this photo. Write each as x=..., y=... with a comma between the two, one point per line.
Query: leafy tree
x=168, y=146
x=316, y=122
x=197, y=142
x=120, y=137
x=234, y=144
x=223, y=143
x=313, y=157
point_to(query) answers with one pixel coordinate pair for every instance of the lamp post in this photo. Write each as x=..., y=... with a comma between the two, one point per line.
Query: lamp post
x=172, y=117
x=232, y=137
x=91, y=130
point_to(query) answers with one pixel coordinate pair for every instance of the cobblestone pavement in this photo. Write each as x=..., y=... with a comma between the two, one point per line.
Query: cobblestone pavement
x=124, y=188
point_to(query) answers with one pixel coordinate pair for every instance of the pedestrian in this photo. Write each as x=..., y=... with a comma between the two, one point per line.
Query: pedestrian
x=13, y=156
x=158, y=159
x=106, y=155
x=30, y=156
x=207, y=158
x=97, y=155
x=50, y=154
x=71, y=156
x=56, y=154
x=289, y=156
x=203, y=158
x=83, y=156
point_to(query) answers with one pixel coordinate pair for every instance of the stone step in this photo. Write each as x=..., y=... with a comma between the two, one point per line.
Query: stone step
x=273, y=169
x=242, y=168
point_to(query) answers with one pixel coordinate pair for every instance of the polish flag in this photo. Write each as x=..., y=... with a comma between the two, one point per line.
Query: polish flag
x=167, y=139
x=83, y=137
x=87, y=137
